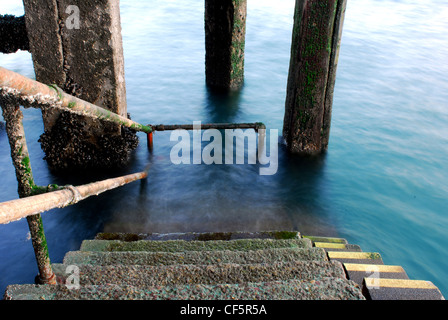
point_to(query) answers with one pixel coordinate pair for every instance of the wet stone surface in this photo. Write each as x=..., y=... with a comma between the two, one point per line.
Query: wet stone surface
x=195, y=257
x=206, y=236
x=137, y=275
x=182, y=246
x=323, y=289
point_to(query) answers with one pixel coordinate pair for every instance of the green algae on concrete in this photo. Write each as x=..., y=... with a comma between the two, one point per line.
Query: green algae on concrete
x=324, y=289
x=120, y=236
x=225, y=31
x=181, y=245
x=314, y=49
x=284, y=234
x=269, y=274
x=203, y=236
x=195, y=257
x=137, y=275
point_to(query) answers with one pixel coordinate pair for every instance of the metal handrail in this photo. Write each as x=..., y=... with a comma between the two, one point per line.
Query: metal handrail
x=30, y=93
x=16, y=90
x=35, y=199
x=21, y=208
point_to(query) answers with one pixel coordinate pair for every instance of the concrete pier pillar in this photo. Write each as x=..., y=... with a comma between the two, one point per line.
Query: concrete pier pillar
x=77, y=45
x=314, y=56
x=225, y=31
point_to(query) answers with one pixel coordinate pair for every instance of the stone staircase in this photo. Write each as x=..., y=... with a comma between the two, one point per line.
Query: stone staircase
x=223, y=266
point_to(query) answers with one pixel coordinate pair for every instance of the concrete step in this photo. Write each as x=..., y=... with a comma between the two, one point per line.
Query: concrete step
x=326, y=239
x=355, y=257
x=182, y=245
x=400, y=289
x=328, y=246
x=323, y=289
x=357, y=272
x=146, y=276
x=199, y=236
x=194, y=257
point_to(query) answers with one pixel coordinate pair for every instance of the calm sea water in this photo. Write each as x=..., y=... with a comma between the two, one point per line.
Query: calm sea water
x=382, y=184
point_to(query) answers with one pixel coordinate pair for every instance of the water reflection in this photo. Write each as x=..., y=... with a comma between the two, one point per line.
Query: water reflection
x=301, y=191
x=220, y=197
x=222, y=106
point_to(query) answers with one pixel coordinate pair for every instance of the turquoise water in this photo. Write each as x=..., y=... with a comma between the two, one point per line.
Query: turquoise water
x=381, y=185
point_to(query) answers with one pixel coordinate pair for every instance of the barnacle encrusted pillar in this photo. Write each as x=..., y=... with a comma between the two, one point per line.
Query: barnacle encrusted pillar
x=225, y=31
x=314, y=56
x=13, y=35
x=77, y=46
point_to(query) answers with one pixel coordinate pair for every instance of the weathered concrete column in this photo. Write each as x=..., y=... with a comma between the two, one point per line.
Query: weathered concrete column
x=314, y=56
x=77, y=45
x=26, y=187
x=225, y=31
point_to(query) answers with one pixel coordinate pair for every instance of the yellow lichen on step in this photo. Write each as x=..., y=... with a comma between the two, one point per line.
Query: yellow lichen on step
x=353, y=255
x=399, y=283
x=328, y=245
x=370, y=267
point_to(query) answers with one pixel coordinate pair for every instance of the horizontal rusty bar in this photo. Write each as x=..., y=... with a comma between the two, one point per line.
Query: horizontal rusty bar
x=163, y=127
x=17, y=209
x=30, y=93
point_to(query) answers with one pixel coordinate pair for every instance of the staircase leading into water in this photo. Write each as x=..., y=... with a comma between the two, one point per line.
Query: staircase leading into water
x=224, y=266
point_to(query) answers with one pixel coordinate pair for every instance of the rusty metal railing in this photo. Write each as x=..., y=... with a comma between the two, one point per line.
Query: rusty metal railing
x=21, y=208
x=36, y=199
x=29, y=93
x=19, y=89
x=16, y=90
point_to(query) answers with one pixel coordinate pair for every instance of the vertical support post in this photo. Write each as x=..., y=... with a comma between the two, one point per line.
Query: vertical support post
x=334, y=58
x=314, y=55
x=150, y=141
x=78, y=47
x=225, y=32
x=19, y=153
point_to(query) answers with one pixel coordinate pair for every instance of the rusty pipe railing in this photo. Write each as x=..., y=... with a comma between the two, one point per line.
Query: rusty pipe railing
x=21, y=208
x=16, y=90
x=29, y=206
x=164, y=127
x=30, y=93
x=169, y=127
